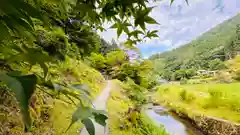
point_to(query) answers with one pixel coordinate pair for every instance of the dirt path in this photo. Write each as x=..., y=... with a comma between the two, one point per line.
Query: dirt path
x=100, y=104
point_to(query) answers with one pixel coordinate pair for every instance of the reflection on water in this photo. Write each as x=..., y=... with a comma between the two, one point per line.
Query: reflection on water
x=172, y=124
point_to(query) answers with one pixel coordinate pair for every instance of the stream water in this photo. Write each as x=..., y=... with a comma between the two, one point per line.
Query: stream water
x=171, y=122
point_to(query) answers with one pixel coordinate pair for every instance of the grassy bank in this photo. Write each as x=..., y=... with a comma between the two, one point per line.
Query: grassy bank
x=74, y=71
x=52, y=116
x=118, y=106
x=217, y=100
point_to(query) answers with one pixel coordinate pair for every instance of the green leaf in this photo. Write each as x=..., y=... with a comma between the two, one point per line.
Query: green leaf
x=4, y=31
x=114, y=25
x=23, y=23
x=146, y=11
x=125, y=29
x=154, y=35
x=119, y=30
x=100, y=118
x=89, y=126
x=15, y=73
x=154, y=31
x=23, y=87
x=135, y=33
x=142, y=25
x=80, y=114
x=150, y=20
x=129, y=43
x=32, y=57
x=100, y=28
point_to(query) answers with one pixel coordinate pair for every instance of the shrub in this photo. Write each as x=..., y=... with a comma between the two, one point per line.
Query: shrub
x=215, y=99
x=237, y=75
x=183, y=81
x=135, y=92
x=186, y=96
x=183, y=95
x=223, y=77
x=97, y=61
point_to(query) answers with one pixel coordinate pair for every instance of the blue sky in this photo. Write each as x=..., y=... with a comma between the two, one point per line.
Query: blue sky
x=181, y=23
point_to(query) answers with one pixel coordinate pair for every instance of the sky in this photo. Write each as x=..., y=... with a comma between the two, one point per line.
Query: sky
x=180, y=23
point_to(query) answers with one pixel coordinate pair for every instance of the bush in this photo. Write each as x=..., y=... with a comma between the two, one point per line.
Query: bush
x=215, y=100
x=135, y=92
x=186, y=96
x=183, y=81
x=97, y=61
x=237, y=75
x=223, y=77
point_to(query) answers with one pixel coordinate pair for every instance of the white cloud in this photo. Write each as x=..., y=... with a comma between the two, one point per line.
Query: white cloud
x=181, y=23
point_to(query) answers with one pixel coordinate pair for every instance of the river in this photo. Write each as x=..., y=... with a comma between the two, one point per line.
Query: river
x=173, y=124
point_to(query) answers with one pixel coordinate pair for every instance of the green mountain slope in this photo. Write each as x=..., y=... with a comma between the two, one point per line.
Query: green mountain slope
x=216, y=43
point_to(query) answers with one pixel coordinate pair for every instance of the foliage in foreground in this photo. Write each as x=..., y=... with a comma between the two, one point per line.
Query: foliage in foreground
x=122, y=122
x=44, y=32
x=45, y=110
x=218, y=100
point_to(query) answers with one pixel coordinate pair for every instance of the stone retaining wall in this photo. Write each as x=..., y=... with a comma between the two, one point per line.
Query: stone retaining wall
x=212, y=126
x=215, y=126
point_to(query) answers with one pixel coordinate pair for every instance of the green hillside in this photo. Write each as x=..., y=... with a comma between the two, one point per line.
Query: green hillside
x=220, y=42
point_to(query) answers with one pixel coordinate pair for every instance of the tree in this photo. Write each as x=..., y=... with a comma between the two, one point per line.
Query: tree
x=216, y=65
x=116, y=57
x=98, y=61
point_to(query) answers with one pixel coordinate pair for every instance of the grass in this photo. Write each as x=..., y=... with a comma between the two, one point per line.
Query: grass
x=74, y=71
x=149, y=128
x=118, y=105
x=217, y=100
x=59, y=112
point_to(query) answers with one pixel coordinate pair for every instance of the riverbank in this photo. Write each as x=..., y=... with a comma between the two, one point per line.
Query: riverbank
x=214, y=108
x=118, y=106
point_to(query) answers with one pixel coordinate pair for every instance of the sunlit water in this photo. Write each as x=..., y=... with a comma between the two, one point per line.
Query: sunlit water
x=172, y=124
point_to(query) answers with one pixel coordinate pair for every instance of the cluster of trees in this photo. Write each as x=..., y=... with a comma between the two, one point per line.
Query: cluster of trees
x=208, y=52
x=116, y=64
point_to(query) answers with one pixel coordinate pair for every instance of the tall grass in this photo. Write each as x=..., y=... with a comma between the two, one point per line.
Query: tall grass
x=217, y=100
x=186, y=96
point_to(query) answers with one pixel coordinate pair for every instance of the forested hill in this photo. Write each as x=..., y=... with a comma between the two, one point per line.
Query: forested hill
x=220, y=42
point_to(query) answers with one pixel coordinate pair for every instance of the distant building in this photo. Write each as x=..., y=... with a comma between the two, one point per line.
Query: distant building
x=162, y=81
x=206, y=72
